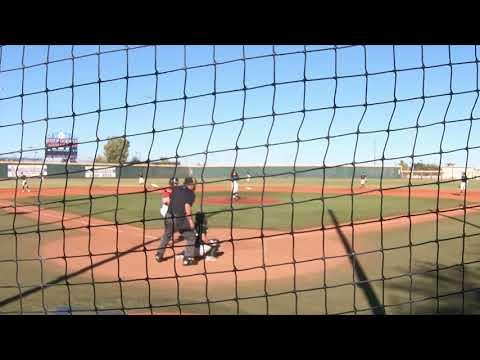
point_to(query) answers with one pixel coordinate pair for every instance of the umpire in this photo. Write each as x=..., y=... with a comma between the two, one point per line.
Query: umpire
x=179, y=218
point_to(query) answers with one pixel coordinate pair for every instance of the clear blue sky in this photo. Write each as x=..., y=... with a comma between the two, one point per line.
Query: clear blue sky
x=350, y=91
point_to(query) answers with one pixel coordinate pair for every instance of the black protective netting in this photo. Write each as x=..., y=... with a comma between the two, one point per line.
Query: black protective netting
x=357, y=179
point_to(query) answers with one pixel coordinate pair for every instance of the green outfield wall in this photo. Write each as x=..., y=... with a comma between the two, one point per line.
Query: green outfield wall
x=167, y=171
x=300, y=171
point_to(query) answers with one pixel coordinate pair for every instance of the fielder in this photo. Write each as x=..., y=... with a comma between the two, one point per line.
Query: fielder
x=248, y=180
x=141, y=180
x=363, y=180
x=166, y=193
x=235, y=188
x=463, y=183
x=24, y=183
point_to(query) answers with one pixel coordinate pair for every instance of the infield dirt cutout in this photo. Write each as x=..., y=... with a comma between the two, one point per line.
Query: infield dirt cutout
x=249, y=254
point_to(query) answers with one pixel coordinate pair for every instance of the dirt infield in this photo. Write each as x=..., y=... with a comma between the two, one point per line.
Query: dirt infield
x=419, y=192
x=248, y=255
x=243, y=256
x=71, y=191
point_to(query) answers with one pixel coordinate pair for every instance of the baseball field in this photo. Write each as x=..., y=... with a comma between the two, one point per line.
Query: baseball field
x=94, y=242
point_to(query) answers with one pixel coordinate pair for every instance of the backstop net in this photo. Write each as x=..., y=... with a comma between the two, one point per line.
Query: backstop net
x=309, y=198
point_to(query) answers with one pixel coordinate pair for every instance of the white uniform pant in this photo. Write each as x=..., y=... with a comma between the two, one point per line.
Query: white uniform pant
x=234, y=187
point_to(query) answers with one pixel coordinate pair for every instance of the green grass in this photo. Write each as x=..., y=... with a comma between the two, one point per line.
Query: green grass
x=309, y=296
x=308, y=209
x=395, y=289
x=284, y=180
x=398, y=290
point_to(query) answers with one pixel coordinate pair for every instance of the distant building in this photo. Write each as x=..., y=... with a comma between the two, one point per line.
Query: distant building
x=451, y=172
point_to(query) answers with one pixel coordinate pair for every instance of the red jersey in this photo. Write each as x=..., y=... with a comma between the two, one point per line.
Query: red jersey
x=167, y=192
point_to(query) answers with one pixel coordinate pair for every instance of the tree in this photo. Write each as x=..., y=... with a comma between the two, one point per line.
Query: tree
x=135, y=159
x=403, y=165
x=425, y=166
x=100, y=159
x=165, y=161
x=113, y=150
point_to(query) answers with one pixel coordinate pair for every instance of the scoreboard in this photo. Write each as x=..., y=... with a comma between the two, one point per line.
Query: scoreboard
x=61, y=147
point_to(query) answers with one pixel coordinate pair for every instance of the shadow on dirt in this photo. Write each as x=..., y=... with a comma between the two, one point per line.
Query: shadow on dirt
x=56, y=222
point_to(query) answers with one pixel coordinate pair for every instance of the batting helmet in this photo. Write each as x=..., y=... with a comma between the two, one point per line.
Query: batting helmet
x=173, y=181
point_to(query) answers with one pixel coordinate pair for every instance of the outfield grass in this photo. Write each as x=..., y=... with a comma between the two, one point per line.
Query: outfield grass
x=312, y=294
x=315, y=294
x=308, y=210
x=274, y=180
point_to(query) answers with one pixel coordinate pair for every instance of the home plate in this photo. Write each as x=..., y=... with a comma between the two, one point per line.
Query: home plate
x=207, y=258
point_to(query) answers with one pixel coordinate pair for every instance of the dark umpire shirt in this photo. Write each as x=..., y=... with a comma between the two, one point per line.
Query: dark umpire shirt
x=181, y=195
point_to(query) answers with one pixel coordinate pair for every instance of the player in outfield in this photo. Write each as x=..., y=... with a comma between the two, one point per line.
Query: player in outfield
x=363, y=180
x=249, y=177
x=179, y=219
x=235, y=188
x=463, y=183
x=141, y=179
x=24, y=183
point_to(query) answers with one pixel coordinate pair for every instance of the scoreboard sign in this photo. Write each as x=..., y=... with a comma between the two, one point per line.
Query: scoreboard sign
x=61, y=147
x=27, y=170
x=100, y=172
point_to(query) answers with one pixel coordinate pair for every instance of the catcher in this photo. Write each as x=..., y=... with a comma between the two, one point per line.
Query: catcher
x=204, y=248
